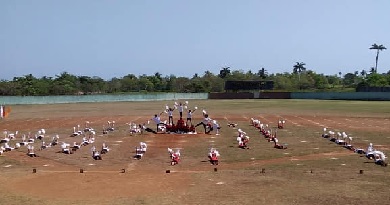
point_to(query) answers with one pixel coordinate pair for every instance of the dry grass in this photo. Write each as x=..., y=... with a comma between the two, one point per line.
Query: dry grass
x=311, y=171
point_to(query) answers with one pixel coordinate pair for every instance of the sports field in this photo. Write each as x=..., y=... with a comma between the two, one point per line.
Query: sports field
x=312, y=170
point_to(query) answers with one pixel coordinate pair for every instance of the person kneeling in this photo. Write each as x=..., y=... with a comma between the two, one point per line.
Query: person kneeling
x=96, y=155
x=175, y=159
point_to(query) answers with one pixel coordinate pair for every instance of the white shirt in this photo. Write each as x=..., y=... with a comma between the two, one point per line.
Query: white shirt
x=206, y=120
x=143, y=145
x=239, y=139
x=156, y=120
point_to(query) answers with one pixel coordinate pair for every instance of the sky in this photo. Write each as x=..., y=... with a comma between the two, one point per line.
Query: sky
x=114, y=38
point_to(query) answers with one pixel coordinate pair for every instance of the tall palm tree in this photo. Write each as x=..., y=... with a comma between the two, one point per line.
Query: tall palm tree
x=225, y=71
x=377, y=48
x=298, y=68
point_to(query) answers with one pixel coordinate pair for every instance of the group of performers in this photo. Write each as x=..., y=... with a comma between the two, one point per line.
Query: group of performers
x=242, y=139
x=209, y=124
x=267, y=132
x=174, y=155
x=341, y=138
x=169, y=126
x=378, y=156
x=183, y=126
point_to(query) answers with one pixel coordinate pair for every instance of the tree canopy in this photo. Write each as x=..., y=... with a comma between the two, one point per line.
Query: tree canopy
x=301, y=78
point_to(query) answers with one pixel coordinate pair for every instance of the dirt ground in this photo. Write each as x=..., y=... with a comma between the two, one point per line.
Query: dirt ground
x=119, y=179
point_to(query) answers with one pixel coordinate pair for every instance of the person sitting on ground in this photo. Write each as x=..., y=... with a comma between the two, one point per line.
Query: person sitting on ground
x=281, y=124
x=272, y=137
x=244, y=142
x=30, y=151
x=213, y=156
x=96, y=155
x=85, y=141
x=54, y=140
x=44, y=145
x=76, y=146
x=143, y=146
x=134, y=128
x=175, y=158
x=8, y=147
x=2, y=150
x=370, y=151
x=380, y=158
x=105, y=148
x=138, y=153
x=65, y=148
x=230, y=124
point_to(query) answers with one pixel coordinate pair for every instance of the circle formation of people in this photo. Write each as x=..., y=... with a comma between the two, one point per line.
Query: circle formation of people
x=183, y=125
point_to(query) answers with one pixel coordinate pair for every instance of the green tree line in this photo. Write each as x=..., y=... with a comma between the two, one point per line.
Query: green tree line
x=300, y=79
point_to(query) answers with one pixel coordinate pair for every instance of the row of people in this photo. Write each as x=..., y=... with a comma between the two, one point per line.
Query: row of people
x=266, y=131
x=256, y=123
x=88, y=129
x=7, y=148
x=378, y=156
x=96, y=154
x=66, y=148
x=25, y=141
x=30, y=138
x=341, y=138
x=180, y=107
x=175, y=156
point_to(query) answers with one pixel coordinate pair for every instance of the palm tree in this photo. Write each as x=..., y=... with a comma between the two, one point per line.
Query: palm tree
x=372, y=70
x=225, y=71
x=262, y=73
x=377, y=48
x=363, y=73
x=298, y=68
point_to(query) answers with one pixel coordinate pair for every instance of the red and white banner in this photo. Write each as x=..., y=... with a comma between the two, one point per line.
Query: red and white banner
x=1, y=111
x=4, y=111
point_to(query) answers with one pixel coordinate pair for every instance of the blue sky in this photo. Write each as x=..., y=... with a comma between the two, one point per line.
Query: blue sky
x=114, y=38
